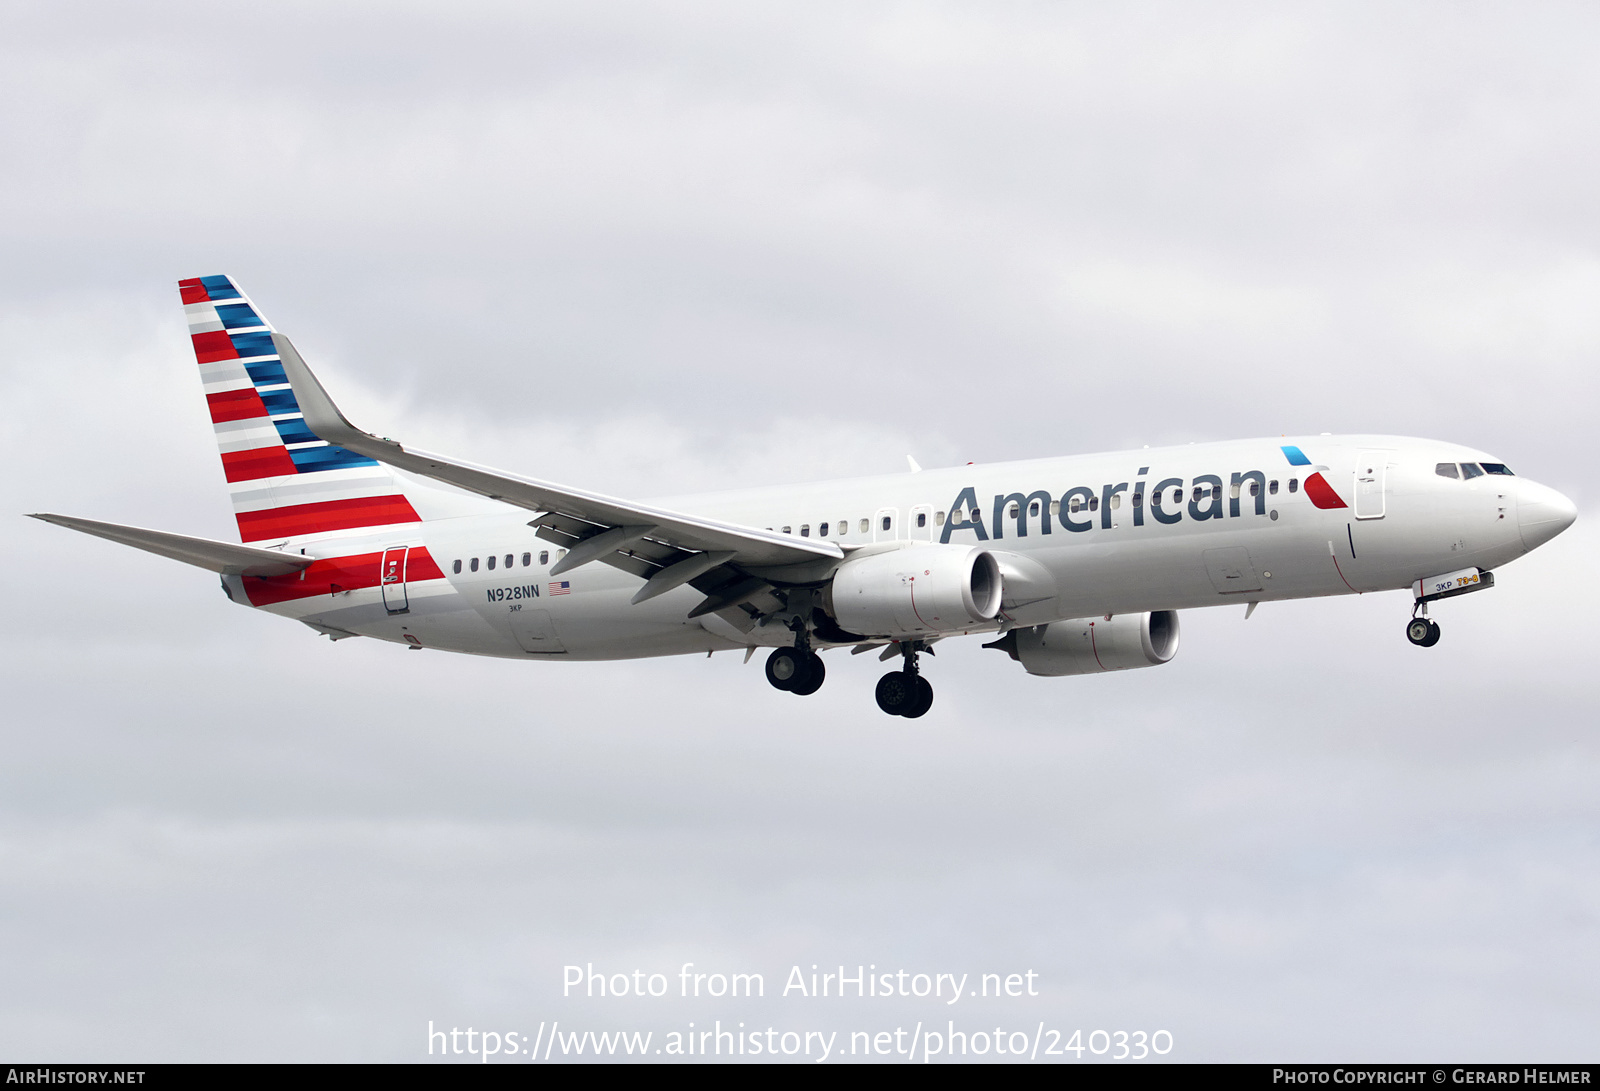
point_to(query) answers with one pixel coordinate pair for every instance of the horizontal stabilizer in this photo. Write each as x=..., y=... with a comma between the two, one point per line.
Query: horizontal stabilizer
x=223, y=557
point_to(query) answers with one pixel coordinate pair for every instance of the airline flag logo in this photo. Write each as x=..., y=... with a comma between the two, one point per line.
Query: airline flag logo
x=274, y=464
x=1318, y=490
x=562, y=588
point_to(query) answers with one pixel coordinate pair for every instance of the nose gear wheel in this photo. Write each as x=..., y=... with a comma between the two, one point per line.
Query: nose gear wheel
x=1423, y=632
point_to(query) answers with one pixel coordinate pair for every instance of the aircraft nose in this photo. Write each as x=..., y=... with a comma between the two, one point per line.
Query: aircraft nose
x=1542, y=513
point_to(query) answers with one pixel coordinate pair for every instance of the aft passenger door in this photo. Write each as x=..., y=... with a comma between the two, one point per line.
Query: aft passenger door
x=392, y=578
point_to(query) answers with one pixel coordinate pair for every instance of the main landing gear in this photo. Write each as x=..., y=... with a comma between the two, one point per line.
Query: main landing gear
x=796, y=670
x=905, y=692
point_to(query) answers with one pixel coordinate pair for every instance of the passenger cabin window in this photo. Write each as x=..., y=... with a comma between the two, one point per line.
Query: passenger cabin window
x=922, y=518
x=508, y=560
x=1033, y=509
x=864, y=524
x=473, y=564
x=822, y=530
x=527, y=559
x=1055, y=509
x=1094, y=503
x=1138, y=499
x=1447, y=469
x=1498, y=468
x=1272, y=487
x=1074, y=505
x=1469, y=470
x=1294, y=484
x=786, y=530
x=1177, y=496
x=458, y=568
x=1197, y=493
x=844, y=527
x=805, y=530
x=938, y=517
x=888, y=521
x=1116, y=500
x=1255, y=488
x=544, y=556
x=491, y=564
x=1011, y=512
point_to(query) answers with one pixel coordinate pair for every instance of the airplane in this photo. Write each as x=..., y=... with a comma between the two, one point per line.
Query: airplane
x=1073, y=565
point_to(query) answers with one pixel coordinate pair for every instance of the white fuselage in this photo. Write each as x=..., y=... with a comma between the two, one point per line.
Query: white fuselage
x=1119, y=552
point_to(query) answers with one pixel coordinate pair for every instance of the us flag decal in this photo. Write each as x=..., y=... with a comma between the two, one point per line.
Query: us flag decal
x=562, y=588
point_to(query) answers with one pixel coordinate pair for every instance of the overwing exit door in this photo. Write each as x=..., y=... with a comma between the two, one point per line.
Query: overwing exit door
x=883, y=525
x=392, y=578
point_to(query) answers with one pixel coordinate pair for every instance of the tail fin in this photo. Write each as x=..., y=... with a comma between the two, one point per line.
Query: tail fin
x=285, y=482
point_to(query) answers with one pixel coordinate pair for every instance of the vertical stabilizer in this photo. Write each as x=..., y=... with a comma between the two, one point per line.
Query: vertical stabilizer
x=284, y=481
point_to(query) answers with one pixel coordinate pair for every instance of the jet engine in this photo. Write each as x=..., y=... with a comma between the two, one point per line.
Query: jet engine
x=1093, y=645
x=915, y=591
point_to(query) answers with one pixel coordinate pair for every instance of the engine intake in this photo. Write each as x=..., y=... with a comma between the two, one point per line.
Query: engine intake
x=916, y=590
x=1094, y=645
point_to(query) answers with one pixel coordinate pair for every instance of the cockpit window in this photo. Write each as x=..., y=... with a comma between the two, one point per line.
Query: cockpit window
x=1446, y=469
x=1498, y=468
x=1469, y=470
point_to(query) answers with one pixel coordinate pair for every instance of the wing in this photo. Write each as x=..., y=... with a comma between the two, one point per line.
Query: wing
x=733, y=565
x=223, y=557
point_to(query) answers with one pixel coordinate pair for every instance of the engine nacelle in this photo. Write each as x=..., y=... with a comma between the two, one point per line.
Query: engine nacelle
x=916, y=590
x=1093, y=645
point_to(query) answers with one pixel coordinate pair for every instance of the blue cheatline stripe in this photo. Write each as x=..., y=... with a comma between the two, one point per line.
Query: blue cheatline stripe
x=219, y=288
x=1295, y=456
x=294, y=430
x=238, y=316
x=266, y=372
x=253, y=344
x=312, y=459
x=279, y=401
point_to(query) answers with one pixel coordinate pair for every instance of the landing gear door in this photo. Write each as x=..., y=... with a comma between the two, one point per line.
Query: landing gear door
x=1371, y=472
x=392, y=578
x=536, y=633
x=1231, y=570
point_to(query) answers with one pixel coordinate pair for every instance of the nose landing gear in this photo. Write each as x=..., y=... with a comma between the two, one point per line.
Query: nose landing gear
x=905, y=692
x=1422, y=632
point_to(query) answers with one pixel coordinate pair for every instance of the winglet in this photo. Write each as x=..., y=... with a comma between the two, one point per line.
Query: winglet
x=322, y=416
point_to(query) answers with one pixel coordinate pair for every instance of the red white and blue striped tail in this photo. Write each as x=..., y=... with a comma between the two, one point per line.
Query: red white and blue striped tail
x=285, y=482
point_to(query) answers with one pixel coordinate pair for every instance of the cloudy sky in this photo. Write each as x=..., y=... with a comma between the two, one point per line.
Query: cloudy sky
x=651, y=248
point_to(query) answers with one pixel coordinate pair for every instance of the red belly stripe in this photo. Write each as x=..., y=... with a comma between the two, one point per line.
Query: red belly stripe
x=331, y=575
